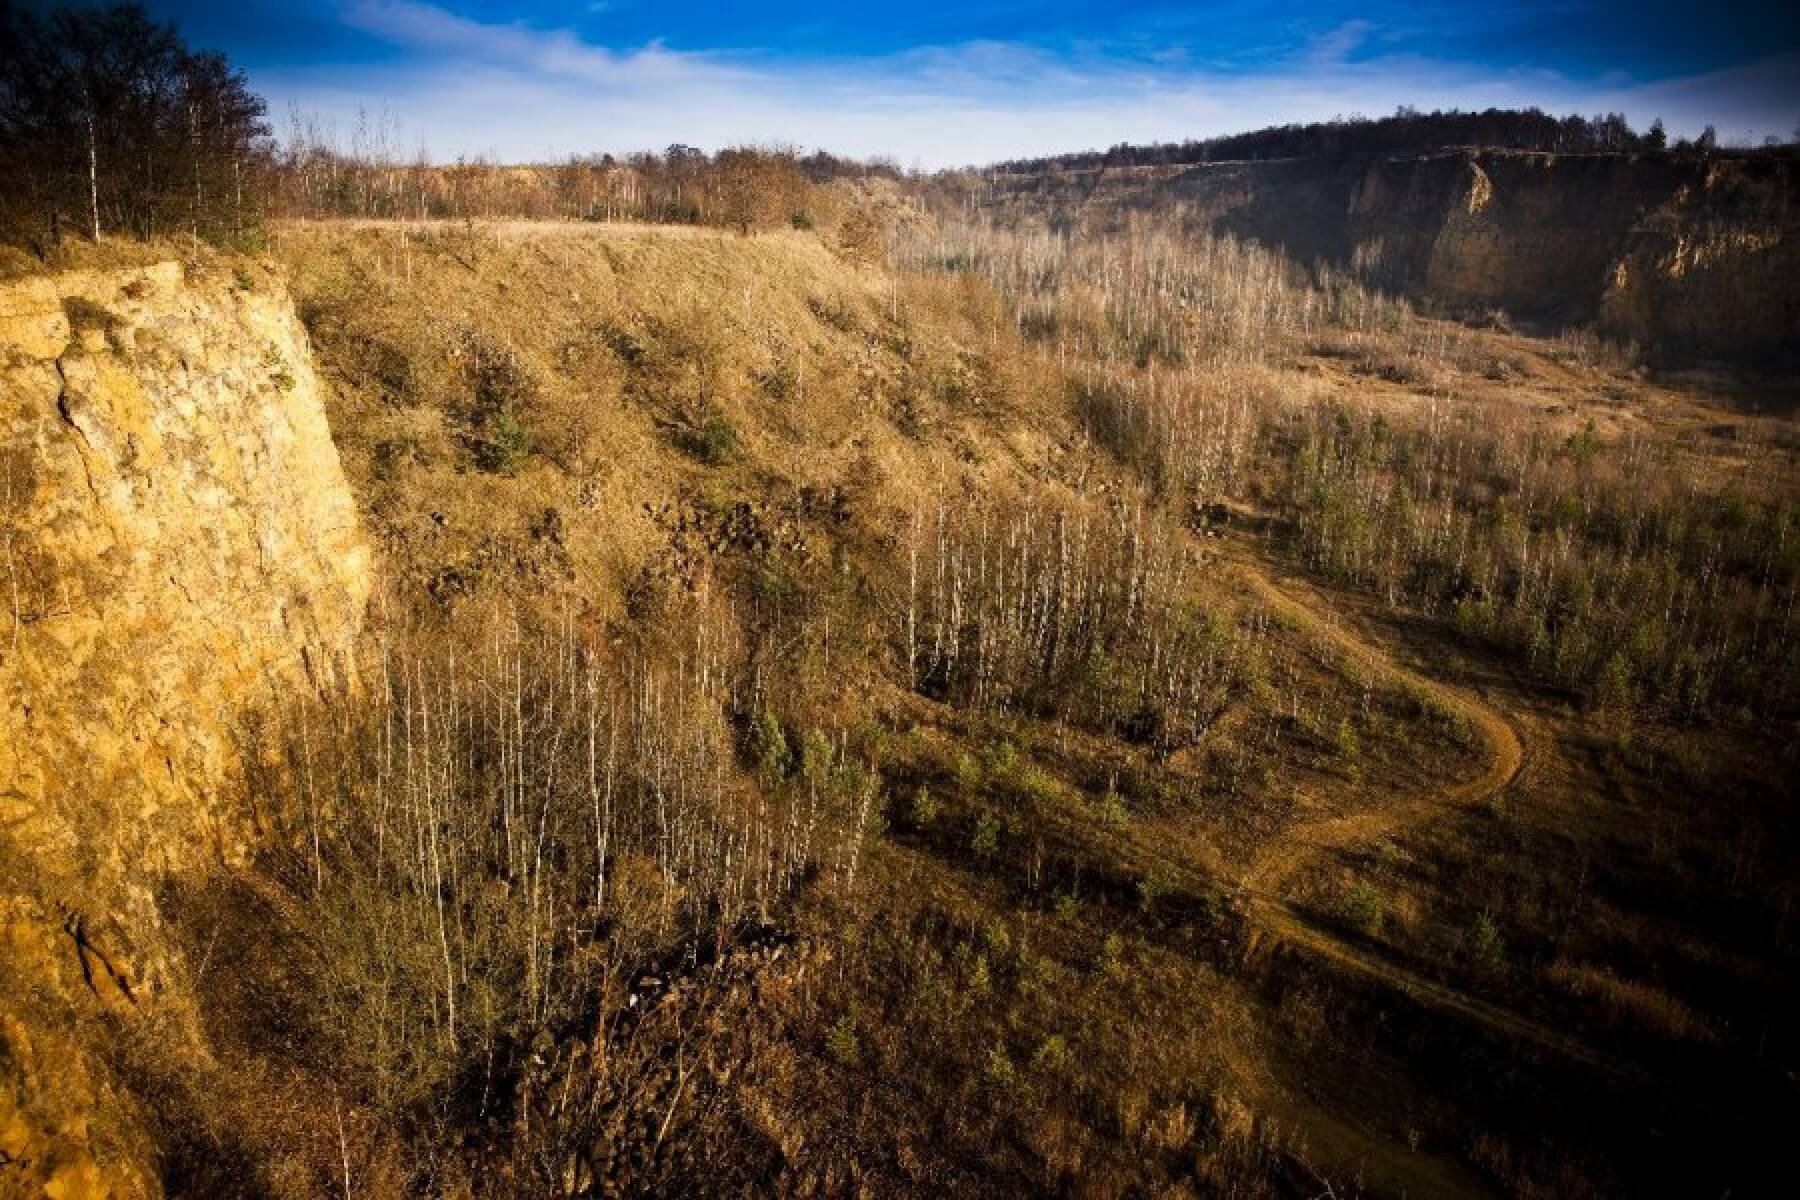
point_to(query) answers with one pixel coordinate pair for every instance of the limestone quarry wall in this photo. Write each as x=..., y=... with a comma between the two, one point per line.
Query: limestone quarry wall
x=1687, y=258
x=1690, y=258
x=176, y=540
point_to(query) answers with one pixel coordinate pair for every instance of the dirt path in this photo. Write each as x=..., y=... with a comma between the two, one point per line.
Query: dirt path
x=1380, y=1164
x=1287, y=856
x=1282, y=859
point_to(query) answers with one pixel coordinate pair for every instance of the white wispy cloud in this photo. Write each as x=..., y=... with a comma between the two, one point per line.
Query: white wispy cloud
x=1340, y=43
x=517, y=93
x=559, y=54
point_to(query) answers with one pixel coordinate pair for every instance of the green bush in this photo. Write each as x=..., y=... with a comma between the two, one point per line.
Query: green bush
x=770, y=746
x=714, y=441
x=1003, y=760
x=1613, y=690
x=1361, y=908
x=1484, y=945
x=1111, y=961
x=980, y=980
x=502, y=444
x=842, y=1043
x=1112, y=809
x=815, y=755
x=923, y=810
x=1052, y=1056
x=1032, y=783
x=999, y=1072
x=984, y=835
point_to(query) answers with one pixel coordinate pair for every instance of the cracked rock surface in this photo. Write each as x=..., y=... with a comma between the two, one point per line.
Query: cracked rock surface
x=176, y=540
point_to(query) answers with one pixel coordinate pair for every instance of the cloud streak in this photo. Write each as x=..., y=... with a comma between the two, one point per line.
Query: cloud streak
x=517, y=93
x=555, y=54
x=1340, y=43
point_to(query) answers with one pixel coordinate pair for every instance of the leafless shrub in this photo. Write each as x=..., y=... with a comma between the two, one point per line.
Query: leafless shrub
x=1143, y=294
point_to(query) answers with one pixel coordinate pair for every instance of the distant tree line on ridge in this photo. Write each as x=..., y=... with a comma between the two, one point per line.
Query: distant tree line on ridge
x=741, y=187
x=110, y=125
x=1407, y=131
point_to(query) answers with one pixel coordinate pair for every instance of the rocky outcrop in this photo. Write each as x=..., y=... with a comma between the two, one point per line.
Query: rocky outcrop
x=1690, y=258
x=176, y=540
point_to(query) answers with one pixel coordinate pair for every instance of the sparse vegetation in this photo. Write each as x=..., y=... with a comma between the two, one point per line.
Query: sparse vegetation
x=1047, y=686
x=1484, y=944
x=714, y=440
x=964, y=704
x=1623, y=1000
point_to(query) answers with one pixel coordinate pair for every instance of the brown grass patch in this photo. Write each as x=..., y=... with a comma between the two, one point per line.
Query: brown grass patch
x=1628, y=1002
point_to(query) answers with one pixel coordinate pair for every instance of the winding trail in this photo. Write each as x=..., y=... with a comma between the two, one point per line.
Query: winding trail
x=1278, y=862
x=1380, y=1163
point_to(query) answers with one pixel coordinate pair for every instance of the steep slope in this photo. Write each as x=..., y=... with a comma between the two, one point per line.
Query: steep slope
x=550, y=403
x=177, y=540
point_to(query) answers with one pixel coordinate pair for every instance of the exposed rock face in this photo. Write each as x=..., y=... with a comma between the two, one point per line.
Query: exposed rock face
x=1688, y=257
x=176, y=539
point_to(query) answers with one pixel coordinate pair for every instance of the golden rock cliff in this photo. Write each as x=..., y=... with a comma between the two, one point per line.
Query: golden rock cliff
x=177, y=540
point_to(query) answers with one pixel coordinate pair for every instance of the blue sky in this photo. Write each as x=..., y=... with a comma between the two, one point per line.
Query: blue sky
x=937, y=84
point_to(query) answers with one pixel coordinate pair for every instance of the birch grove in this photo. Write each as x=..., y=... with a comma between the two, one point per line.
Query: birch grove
x=492, y=834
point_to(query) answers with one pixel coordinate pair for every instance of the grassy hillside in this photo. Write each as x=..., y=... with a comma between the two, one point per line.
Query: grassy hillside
x=983, y=724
